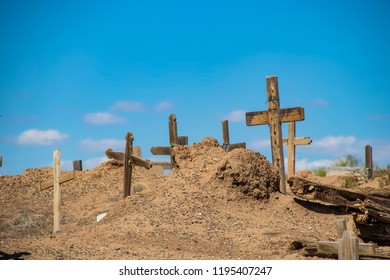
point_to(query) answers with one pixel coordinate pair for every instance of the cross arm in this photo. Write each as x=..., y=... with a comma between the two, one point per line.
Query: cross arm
x=286, y=115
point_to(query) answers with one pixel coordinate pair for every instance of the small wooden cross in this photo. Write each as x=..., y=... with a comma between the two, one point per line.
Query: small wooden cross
x=274, y=117
x=128, y=160
x=56, y=183
x=173, y=140
x=226, y=139
x=291, y=142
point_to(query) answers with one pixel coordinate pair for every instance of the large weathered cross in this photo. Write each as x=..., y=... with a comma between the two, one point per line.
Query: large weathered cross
x=291, y=141
x=128, y=160
x=274, y=117
x=173, y=140
x=226, y=138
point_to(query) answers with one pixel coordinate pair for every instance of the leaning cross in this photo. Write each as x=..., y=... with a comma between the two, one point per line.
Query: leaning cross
x=291, y=142
x=129, y=160
x=173, y=140
x=226, y=139
x=274, y=117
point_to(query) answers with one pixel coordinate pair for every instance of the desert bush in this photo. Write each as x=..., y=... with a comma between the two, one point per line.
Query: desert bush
x=321, y=172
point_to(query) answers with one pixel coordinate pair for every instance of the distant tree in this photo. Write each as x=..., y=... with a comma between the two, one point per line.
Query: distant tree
x=348, y=161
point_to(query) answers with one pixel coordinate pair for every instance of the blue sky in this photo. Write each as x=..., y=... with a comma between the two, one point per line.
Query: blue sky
x=77, y=75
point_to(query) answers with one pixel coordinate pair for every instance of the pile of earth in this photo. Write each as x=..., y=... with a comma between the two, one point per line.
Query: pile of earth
x=214, y=205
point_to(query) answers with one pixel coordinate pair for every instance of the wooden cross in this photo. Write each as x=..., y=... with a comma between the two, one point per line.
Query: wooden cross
x=173, y=140
x=56, y=183
x=291, y=142
x=347, y=247
x=226, y=139
x=274, y=117
x=129, y=160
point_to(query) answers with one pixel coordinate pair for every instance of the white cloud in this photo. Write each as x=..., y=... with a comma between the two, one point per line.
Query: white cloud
x=260, y=144
x=337, y=145
x=236, y=116
x=102, y=144
x=41, y=137
x=102, y=118
x=128, y=106
x=306, y=164
x=164, y=106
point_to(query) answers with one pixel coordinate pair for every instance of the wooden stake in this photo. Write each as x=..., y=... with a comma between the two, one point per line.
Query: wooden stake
x=291, y=142
x=57, y=192
x=225, y=132
x=369, y=164
x=341, y=226
x=348, y=246
x=182, y=140
x=172, y=130
x=1, y=161
x=128, y=165
x=276, y=128
x=77, y=165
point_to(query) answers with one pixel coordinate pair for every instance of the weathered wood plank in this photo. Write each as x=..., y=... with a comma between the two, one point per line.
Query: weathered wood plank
x=157, y=150
x=182, y=140
x=331, y=248
x=137, y=161
x=286, y=115
x=298, y=141
x=225, y=132
x=127, y=165
x=276, y=128
x=63, y=178
x=348, y=246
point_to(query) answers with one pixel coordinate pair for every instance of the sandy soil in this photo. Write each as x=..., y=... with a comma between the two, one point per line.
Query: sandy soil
x=215, y=205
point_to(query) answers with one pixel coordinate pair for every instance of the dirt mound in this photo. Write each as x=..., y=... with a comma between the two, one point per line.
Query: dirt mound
x=214, y=205
x=243, y=170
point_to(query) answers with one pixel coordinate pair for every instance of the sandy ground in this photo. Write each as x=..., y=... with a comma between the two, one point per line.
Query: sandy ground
x=215, y=205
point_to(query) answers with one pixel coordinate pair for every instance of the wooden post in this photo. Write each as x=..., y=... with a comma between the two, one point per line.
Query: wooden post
x=274, y=117
x=138, y=153
x=369, y=165
x=291, y=142
x=341, y=226
x=225, y=132
x=172, y=130
x=128, y=165
x=276, y=128
x=57, y=192
x=77, y=165
x=182, y=140
x=1, y=161
x=348, y=248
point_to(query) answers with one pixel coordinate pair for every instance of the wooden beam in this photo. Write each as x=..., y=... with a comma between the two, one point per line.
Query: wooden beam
x=286, y=115
x=115, y=155
x=63, y=178
x=298, y=141
x=137, y=161
x=77, y=165
x=172, y=130
x=57, y=192
x=182, y=140
x=128, y=165
x=225, y=132
x=369, y=164
x=1, y=161
x=331, y=248
x=348, y=246
x=276, y=128
x=156, y=150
